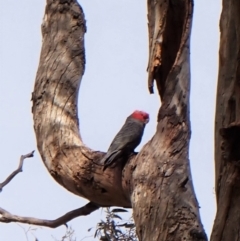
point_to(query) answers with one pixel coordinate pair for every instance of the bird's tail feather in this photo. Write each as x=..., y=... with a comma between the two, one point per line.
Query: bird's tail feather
x=109, y=158
x=106, y=157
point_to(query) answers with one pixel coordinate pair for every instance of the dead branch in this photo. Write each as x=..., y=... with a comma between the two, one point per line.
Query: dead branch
x=163, y=198
x=7, y=217
x=19, y=169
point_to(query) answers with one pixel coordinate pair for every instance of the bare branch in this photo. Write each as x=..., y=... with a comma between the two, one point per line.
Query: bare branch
x=7, y=217
x=19, y=169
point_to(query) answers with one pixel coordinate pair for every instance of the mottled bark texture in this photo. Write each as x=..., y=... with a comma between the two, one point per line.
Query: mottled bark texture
x=163, y=199
x=227, y=127
x=157, y=182
x=55, y=113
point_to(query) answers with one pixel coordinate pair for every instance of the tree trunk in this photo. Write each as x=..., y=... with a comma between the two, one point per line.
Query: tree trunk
x=157, y=182
x=164, y=203
x=55, y=113
x=227, y=127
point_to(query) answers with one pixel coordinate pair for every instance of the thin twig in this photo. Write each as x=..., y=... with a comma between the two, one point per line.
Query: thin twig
x=7, y=217
x=19, y=169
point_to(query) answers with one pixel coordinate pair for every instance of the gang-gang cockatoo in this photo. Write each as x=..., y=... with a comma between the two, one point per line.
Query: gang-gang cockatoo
x=127, y=139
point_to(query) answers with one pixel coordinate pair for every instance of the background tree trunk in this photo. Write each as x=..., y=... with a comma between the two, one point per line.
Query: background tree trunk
x=227, y=128
x=157, y=182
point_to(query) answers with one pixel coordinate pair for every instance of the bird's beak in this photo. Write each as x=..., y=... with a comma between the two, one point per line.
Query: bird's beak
x=146, y=121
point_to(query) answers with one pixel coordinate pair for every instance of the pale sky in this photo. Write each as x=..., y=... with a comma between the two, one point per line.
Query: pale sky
x=114, y=84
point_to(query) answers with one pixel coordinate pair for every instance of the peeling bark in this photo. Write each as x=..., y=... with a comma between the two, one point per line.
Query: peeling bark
x=227, y=127
x=157, y=182
x=164, y=202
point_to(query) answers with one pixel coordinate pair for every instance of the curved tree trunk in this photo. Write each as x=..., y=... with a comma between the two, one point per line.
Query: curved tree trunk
x=56, y=124
x=227, y=128
x=157, y=182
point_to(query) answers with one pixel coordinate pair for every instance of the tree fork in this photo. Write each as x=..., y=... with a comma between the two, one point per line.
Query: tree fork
x=157, y=182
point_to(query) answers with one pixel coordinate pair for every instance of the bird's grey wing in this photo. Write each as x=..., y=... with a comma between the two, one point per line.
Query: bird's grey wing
x=128, y=137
